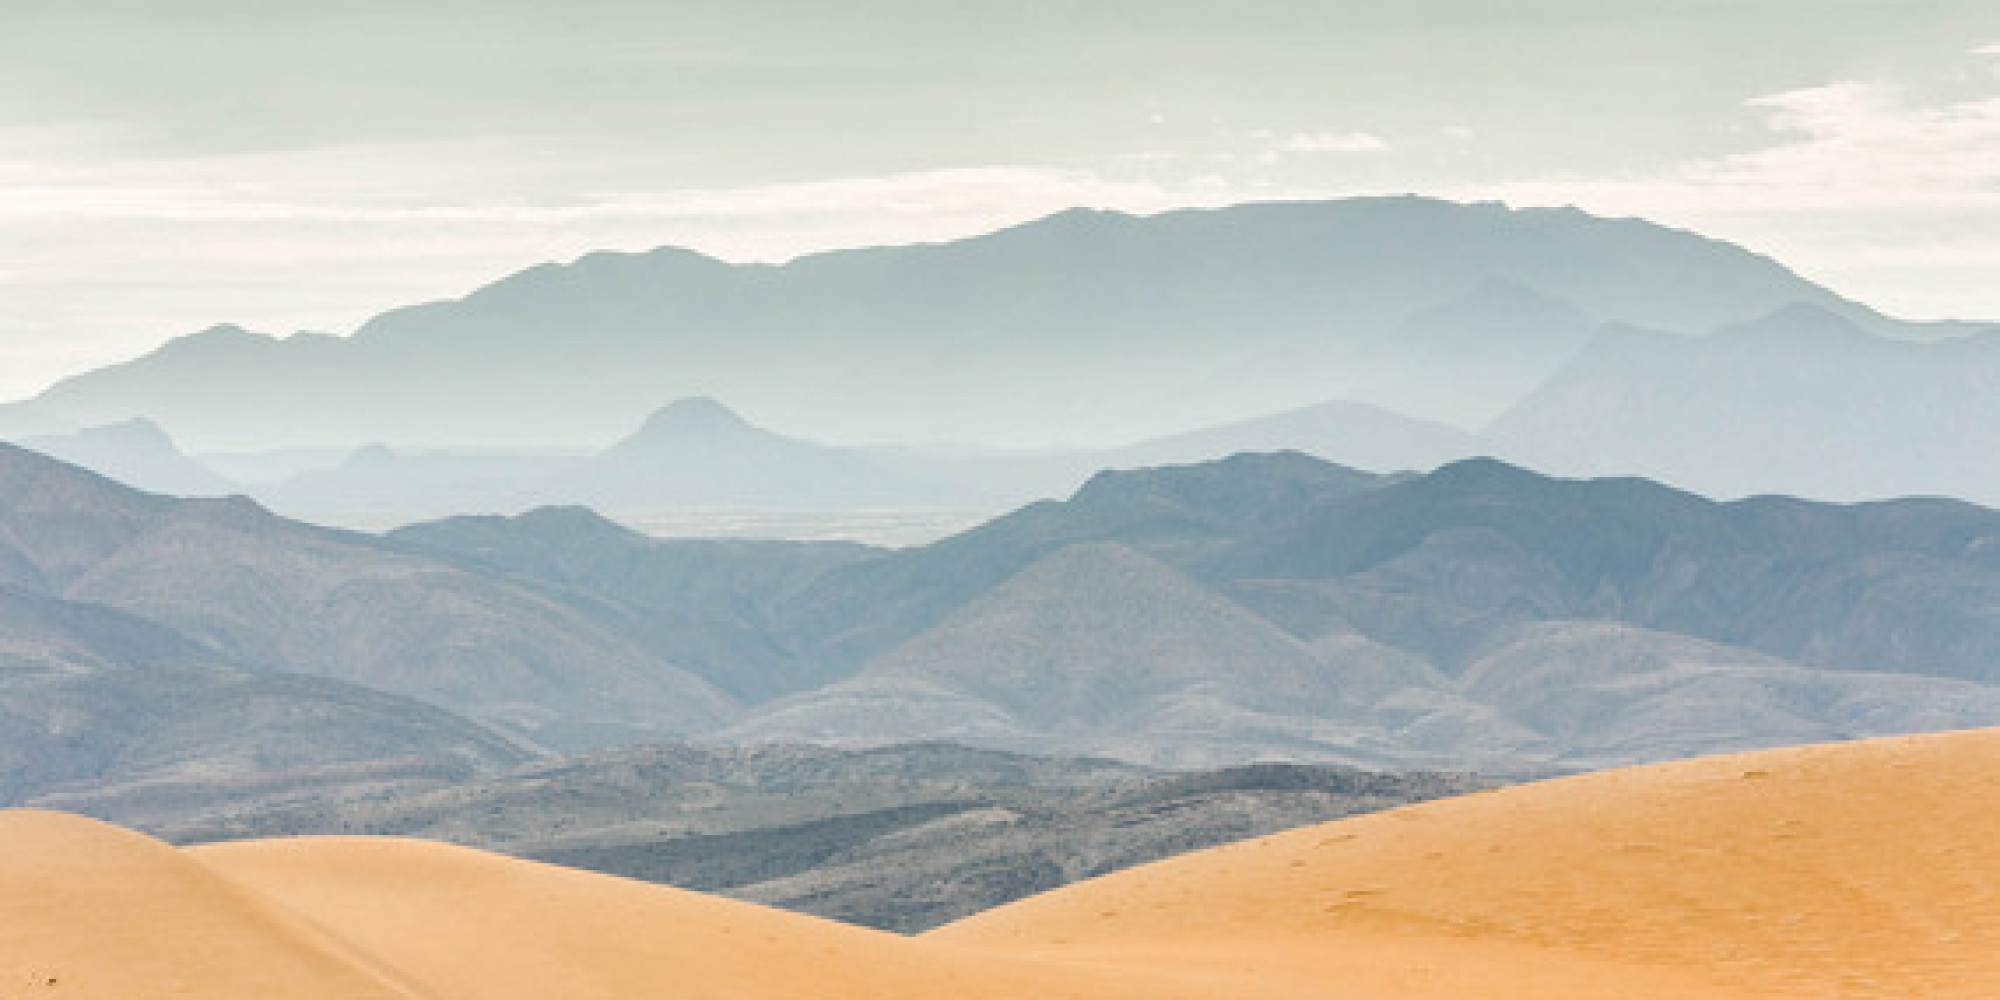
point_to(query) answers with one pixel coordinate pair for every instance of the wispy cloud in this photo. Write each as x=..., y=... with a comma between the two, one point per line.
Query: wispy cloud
x=1333, y=142
x=498, y=182
x=1843, y=147
x=1886, y=198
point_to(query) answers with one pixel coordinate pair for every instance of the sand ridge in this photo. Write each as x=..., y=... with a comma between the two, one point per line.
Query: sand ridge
x=1867, y=869
x=1864, y=870
x=92, y=912
x=475, y=925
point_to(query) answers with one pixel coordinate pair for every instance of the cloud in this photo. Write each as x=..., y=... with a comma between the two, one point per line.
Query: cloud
x=1331, y=142
x=1888, y=199
x=1840, y=148
x=1854, y=145
x=1987, y=50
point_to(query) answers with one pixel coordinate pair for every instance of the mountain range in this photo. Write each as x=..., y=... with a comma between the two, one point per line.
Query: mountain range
x=691, y=454
x=971, y=376
x=1261, y=607
x=1802, y=402
x=223, y=583
x=1276, y=606
x=1084, y=328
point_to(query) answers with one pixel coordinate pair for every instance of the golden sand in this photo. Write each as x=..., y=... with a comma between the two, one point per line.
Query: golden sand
x=1856, y=870
x=467, y=924
x=1866, y=870
x=88, y=910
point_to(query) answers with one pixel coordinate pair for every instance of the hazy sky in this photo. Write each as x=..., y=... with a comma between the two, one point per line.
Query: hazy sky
x=169, y=164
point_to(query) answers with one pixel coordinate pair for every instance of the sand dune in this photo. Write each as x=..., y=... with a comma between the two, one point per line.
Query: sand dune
x=1867, y=870
x=1856, y=870
x=91, y=912
x=474, y=925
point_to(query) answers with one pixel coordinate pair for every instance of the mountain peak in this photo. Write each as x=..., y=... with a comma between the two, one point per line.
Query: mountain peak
x=700, y=423
x=1265, y=467
x=221, y=340
x=1485, y=471
x=1511, y=297
x=694, y=415
x=1798, y=323
x=1249, y=485
x=138, y=431
x=573, y=521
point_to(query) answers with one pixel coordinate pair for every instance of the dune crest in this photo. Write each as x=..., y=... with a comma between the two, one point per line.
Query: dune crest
x=478, y=926
x=1867, y=869
x=89, y=911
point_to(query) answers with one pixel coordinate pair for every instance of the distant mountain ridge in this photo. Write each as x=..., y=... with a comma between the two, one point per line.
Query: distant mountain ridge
x=137, y=453
x=1266, y=606
x=1801, y=401
x=691, y=454
x=1480, y=616
x=256, y=592
x=1085, y=328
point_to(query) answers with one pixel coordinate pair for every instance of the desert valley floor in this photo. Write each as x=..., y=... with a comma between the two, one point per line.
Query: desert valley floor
x=1858, y=870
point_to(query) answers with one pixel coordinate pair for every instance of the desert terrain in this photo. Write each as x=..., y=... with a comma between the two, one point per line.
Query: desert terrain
x=1866, y=869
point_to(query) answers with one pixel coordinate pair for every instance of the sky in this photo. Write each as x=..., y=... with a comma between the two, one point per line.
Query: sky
x=166, y=165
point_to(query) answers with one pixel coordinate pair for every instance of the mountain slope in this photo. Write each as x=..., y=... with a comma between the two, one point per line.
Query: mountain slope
x=1098, y=649
x=698, y=452
x=1501, y=618
x=137, y=453
x=860, y=611
x=1082, y=328
x=691, y=454
x=103, y=712
x=1609, y=694
x=711, y=606
x=1802, y=401
x=1469, y=359
x=277, y=595
x=1356, y=435
x=1907, y=586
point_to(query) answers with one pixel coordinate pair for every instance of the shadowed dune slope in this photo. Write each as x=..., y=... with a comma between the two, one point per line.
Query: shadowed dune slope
x=472, y=925
x=91, y=912
x=1855, y=870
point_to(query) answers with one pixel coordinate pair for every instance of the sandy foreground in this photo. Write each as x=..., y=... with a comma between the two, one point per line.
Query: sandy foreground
x=1858, y=870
